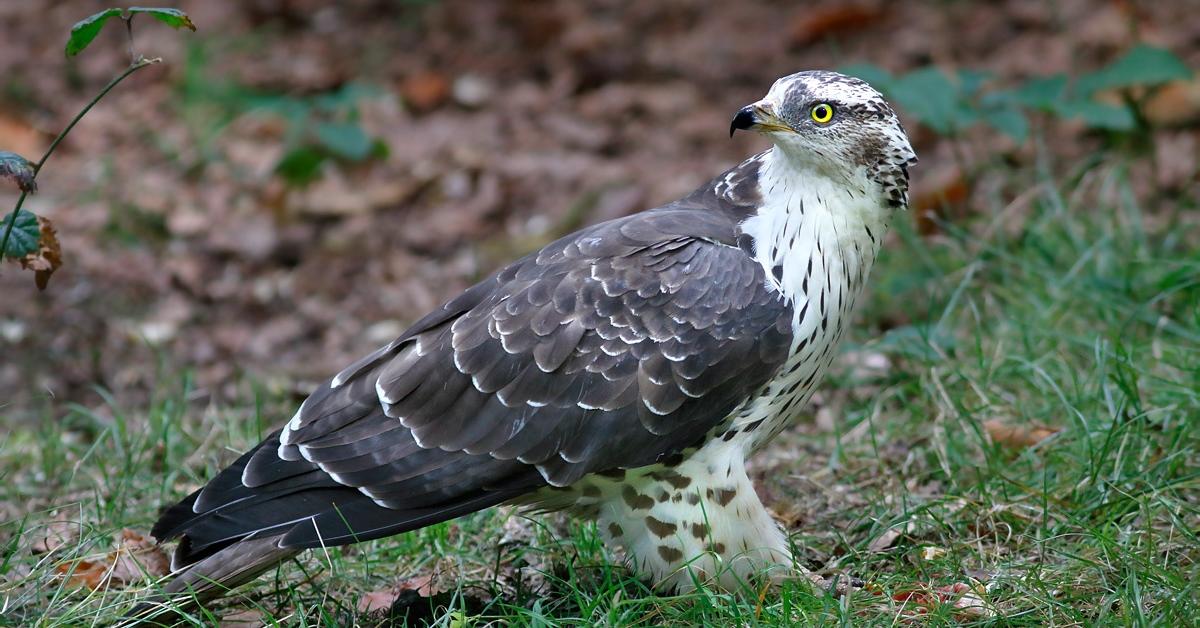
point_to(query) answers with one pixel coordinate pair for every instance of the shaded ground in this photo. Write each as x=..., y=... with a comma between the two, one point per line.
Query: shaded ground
x=203, y=293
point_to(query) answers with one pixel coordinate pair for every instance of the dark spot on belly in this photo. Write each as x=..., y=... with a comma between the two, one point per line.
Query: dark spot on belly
x=661, y=529
x=693, y=498
x=663, y=496
x=591, y=490
x=669, y=554
x=722, y=495
x=699, y=530
x=717, y=548
x=674, y=478
x=636, y=500
x=615, y=530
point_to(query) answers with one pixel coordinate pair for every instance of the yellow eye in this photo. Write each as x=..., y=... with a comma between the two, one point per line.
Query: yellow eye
x=822, y=113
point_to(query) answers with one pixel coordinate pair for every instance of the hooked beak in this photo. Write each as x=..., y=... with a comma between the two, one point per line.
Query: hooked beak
x=758, y=117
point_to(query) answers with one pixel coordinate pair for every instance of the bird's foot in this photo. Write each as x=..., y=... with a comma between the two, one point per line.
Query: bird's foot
x=837, y=584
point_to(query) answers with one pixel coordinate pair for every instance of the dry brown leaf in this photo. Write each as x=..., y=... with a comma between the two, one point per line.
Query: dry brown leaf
x=47, y=258
x=338, y=193
x=965, y=599
x=816, y=23
x=379, y=600
x=1174, y=104
x=136, y=557
x=789, y=515
x=940, y=196
x=426, y=585
x=425, y=90
x=57, y=534
x=885, y=540
x=248, y=618
x=19, y=137
x=1017, y=436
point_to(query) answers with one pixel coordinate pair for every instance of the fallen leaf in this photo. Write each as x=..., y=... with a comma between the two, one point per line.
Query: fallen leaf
x=816, y=23
x=426, y=585
x=1017, y=436
x=58, y=534
x=338, y=193
x=248, y=618
x=377, y=600
x=1174, y=104
x=48, y=256
x=425, y=90
x=1178, y=157
x=941, y=194
x=136, y=557
x=966, y=600
x=885, y=540
x=19, y=136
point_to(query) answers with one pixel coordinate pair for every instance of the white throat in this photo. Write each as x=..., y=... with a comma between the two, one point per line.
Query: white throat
x=816, y=237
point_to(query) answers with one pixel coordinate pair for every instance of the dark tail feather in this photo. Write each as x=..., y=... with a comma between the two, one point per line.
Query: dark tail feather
x=210, y=578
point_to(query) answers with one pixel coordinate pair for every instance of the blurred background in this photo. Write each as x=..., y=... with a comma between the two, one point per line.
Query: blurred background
x=299, y=180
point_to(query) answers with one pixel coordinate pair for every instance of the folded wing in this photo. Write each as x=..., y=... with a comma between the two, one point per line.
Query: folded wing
x=612, y=348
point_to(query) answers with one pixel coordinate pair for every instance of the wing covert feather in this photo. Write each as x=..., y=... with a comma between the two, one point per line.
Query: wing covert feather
x=612, y=348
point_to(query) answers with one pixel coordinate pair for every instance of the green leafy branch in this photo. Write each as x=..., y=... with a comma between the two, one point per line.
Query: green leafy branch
x=29, y=238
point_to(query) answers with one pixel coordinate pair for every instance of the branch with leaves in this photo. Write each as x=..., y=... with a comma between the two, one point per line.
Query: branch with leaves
x=30, y=239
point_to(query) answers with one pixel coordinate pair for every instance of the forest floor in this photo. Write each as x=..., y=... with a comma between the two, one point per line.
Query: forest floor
x=1009, y=437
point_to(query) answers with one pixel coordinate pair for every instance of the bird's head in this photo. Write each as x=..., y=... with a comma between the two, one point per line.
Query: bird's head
x=837, y=125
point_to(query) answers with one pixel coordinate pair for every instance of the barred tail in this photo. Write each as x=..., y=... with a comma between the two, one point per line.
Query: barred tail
x=210, y=578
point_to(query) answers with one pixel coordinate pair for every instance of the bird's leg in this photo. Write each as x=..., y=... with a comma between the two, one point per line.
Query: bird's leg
x=838, y=584
x=697, y=521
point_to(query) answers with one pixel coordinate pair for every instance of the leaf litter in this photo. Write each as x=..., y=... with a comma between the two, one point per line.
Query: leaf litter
x=136, y=558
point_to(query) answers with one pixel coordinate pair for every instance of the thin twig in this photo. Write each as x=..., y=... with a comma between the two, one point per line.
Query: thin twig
x=134, y=67
x=141, y=63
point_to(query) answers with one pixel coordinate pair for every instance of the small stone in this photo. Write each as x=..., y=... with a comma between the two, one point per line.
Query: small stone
x=472, y=91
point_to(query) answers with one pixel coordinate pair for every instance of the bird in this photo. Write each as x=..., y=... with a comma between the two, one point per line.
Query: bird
x=622, y=374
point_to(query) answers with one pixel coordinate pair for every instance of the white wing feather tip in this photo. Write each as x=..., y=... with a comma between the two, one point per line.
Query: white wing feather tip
x=383, y=398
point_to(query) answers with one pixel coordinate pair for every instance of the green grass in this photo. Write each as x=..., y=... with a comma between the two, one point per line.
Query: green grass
x=1067, y=311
